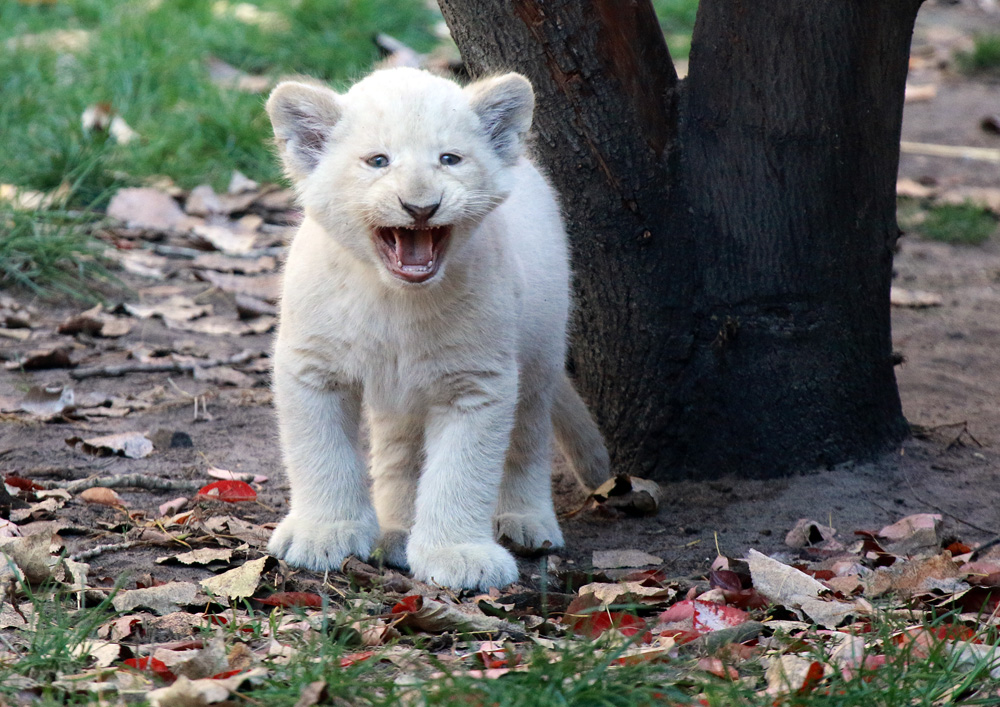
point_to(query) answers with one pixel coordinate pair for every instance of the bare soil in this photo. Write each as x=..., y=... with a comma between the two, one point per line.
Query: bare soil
x=949, y=383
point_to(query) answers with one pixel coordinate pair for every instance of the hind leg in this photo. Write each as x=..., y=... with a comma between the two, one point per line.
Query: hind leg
x=525, y=514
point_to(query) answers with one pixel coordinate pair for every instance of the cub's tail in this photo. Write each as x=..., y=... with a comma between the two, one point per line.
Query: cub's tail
x=578, y=437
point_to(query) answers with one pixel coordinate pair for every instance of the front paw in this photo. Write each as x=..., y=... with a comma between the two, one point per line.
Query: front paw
x=321, y=545
x=530, y=532
x=464, y=566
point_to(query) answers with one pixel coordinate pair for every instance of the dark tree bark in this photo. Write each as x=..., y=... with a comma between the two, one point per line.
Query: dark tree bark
x=733, y=232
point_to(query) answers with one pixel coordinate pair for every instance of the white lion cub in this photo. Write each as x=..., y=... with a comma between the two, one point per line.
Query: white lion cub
x=428, y=287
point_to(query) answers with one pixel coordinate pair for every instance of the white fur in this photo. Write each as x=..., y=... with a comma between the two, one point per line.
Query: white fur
x=457, y=375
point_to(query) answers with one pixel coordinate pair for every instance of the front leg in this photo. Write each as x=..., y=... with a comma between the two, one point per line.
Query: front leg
x=331, y=514
x=397, y=453
x=467, y=434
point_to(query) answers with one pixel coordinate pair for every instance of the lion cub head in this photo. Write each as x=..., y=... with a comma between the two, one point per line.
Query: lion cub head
x=404, y=166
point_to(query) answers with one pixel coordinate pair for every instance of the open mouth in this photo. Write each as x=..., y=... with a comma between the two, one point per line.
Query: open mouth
x=412, y=254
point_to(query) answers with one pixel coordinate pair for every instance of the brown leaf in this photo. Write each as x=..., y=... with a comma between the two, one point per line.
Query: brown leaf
x=630, y=494
x=229, y=237
x=42, y=359
x=147, y=208
x=102, y=496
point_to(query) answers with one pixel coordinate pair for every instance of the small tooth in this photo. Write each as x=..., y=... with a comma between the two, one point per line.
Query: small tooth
x=399, y=263
x=429, y=263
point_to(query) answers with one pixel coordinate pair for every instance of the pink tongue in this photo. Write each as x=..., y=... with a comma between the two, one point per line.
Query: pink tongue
x=414, y=247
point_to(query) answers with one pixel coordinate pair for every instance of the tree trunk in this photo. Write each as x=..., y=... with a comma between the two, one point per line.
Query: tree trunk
x=732, y=233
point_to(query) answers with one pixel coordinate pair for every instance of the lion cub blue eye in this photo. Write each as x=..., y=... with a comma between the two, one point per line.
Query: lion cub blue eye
x=449, y=160
x=378, y=161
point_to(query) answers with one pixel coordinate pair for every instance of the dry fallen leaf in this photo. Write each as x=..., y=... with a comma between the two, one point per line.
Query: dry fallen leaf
x=48, y=401
x=147, y=208
x=201, y=556
x=923, y=92
x=238, y=583
x=614, y=559
x=265, y=287
x=630, y=494
x=176, y=308
x=133, y=445
x=42, y=359
x=163, y=599
x=102, y=496
x=31, y=555
x=915, y=299
x=798, y=592
x=195, y=693
x=790, y=673
x=809, y=533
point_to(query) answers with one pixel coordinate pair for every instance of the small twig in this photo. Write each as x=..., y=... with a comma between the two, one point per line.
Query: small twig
x=101, y=549
x=165, y=367
x=130, y=481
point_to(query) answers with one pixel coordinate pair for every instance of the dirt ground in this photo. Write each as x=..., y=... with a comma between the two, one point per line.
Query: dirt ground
x=950, y=386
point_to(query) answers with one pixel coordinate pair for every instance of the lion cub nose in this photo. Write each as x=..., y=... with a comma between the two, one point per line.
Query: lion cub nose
x=420, y=214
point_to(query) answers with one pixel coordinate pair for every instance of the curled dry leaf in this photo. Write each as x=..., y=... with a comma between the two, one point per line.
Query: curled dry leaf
x=176, y=308
x=631, y=495
x=915, y=299
x=173, y=507
x=32, y=555
x=48, y=401
x=809, y=533
x=101, y=496
x=133, y=445
x=42, y=359
x=627, y=592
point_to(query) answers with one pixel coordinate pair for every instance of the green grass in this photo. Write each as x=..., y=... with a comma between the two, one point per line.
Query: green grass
x=425, y=670
x=984, y=57
x=963, y=224
x=148, y=61
x=51, y=252
x=677, y=20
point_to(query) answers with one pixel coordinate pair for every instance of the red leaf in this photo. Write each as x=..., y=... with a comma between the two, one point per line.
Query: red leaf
x=23, y=484
x=288, y=599
x=352, y=658
x=152, y=665
x=956, y=548
x=813, y=676
x=410, y=604
x=228, y=491
x=226, y=674
x=717, y=668
x=594, y=624
x=712, y=617
x=680, y=611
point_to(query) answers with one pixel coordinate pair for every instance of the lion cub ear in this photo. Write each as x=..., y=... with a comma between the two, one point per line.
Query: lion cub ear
x=504, y=105
x=303, y=117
